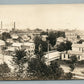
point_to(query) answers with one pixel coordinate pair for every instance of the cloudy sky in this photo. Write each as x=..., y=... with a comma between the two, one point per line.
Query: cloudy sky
x=56, y=16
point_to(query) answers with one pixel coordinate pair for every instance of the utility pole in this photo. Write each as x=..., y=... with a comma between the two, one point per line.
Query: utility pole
x=48, y=45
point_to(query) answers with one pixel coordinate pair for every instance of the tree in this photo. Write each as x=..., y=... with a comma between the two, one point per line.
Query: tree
x=68, y=76
x=61, y=47
x=80, y=41
x=64, y=46
x=40, y=46
x=73, y=62
x=5, y=36
x=60, y=34
x=4, y=68
x=44, y=72
x=19, y=60
x=73, y=59
x=68, y=45
x=52, y=38
x=78, y=37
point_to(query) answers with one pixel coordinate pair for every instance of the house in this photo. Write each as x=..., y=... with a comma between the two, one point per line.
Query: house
x=16, y=45
x=72, y=35
x=66, y=56
x=51, y=56
x=44, y=37
x=78, y=47
x=60, y=39
x=25, y=38
x=9, y=51
x=14, y=36
x=77, y=50
x=29, y=47
x=9, y=41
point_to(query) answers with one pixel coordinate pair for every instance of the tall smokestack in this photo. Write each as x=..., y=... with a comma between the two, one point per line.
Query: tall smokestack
x=1, y=24
x=14, y=25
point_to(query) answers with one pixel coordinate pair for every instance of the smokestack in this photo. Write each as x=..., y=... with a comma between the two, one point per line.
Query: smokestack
x=1, y=24
x=14, y=25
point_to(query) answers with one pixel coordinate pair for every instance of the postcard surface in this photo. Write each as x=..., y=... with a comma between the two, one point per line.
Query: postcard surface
x=42, y=42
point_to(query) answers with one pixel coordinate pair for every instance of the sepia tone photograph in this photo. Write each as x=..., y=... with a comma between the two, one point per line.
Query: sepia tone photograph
x=42, y=42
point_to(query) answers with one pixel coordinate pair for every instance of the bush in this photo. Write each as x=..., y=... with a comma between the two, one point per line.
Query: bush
x=4, y=68
x=72, y=66
x=68, y=76
x=42, y=71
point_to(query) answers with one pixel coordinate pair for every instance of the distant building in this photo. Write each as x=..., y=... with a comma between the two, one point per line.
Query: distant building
x=60, y=39
x=78, y=47
x=16, y=45
x=14, y=36
x=72, y=35
x=44, y=37
x=9, y=41
x=29, y=47
x=25, y=38
x=66, y=56
x=77, y=50
x=51, y=56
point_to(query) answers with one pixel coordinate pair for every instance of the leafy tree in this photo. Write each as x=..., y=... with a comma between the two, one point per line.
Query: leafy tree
x=4, y=68
x=52, y=38
x=40, y=45
x=72, y=66
x=5, y=36
x=60, y=34
x=73, y=59
x=44, y=72
x=19, y=60
x=68, y=45
x=68, y=76
x=64, y=46
x=73, y=62
x=78, y=37
x=53, y=35
x=80, y=41
x=61, y=47
x=44, y=33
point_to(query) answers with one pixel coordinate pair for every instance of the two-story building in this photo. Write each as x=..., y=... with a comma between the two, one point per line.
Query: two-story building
x=77, y=50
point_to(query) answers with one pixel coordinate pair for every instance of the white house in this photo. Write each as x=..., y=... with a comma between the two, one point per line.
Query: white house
x=30, y=47
x=60, y=39
x=50, y=56
x=66, y=56
x=78, y=47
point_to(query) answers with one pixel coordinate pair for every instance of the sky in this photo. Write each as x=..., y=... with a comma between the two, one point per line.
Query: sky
x=52, y=16
x=40, y=1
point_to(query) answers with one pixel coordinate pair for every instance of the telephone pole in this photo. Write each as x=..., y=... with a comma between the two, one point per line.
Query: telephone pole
x=48, y=46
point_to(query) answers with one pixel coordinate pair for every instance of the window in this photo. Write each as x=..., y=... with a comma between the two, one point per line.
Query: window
x=64, y=55
x=78, y=57
x=68, y=55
